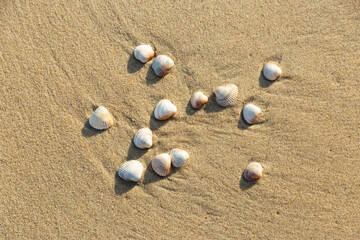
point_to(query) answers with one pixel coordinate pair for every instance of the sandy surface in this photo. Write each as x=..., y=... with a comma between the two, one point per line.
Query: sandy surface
x=59, y=61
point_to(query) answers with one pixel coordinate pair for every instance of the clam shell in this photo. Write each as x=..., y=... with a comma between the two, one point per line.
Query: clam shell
x=162, y=65
x=271, y=71
x=131, y=170
x=164, y=110
x=143, y=138
x=251, y=113
x=198, y=99
x=253, y=171
x=178, y=157
x=161, y=164
x=101, y=119
x=144, y=53
x=226, y=94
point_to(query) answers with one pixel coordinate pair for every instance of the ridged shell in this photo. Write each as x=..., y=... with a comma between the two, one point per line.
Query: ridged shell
x=253, y=171
x=251, y=113
x=161, y=164
x=226, y=94
x=143, y=138
x=198, y=99
x=271, y=71
x=101, y=119
x=178, y=157
x=144, y=53
x=162, y=65
x=131, y=170
x=164, y=110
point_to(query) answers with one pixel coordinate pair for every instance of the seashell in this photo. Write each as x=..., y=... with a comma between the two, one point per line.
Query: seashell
x=251, y=113
x=162, y=65
x=131, y=170
x=144, y=53
x=198, y=99
x=253, y=171
x=143, y=138
x=164, y=110
x=101, y=119
x=178, y=157
x=271, y=71
x=161, y=164
x=226, y=94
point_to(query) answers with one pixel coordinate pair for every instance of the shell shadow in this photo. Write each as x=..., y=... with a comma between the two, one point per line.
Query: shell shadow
x=121, y=186
x=150, y=176
x=151, y=77
x=211, y=106
x=242, y=124
x=189, y=110
x=88, y=131
x=156, y=124
x=245, y=184
x=133, y=64
x=134, y=152
x=263, y=82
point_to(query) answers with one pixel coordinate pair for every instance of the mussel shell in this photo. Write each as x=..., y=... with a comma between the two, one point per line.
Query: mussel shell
x=251, y=113
x=162, y=65
x=226, y=94
x=164, y=109
x=161, y=164
x=178, y=157
x=253, y=171
x=101, y=119
x=131, y=170
x=143, y=138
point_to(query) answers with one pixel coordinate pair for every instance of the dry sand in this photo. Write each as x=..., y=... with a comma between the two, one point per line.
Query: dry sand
x=59, y=60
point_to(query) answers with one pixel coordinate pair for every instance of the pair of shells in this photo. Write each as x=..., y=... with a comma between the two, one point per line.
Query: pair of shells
x=131, y=170
x=271, y=71
x=198, y=99
x=251, y=113
x=143, y=138
x=162, y=63
x=164, y=109
x=226, y=94
x=161, y=163
x=253, y=171
x=101, y=119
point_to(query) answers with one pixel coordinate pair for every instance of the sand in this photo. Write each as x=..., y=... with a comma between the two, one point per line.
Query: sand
x=61, y=60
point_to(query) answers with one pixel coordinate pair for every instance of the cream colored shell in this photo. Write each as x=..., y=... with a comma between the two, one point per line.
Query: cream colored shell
x=251, y=113
x=143, y=138
x=164, y=110
x=144, y=53
x=162, y=65
x=131, y=170
x=226, y=94
x=271, y=71
x=178, y=157
x=253, y=171
x=161, y=164
x=198, y=99
x=101, y=119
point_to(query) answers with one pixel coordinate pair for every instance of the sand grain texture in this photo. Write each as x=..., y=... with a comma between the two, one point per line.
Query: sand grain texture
x=61, y=60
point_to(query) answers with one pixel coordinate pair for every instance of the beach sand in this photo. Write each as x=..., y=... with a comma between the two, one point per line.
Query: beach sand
x=60, y=60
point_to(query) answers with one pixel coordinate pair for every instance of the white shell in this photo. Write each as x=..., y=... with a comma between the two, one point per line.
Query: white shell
x=161, y=164
x=226, y=94
x=162, y=65
x=271, y=71
x=164, y=110
x=101, y=119
x=144, y=53
x=143, y=138
x=251, y=113
x=131, y=170
x=178, y=157
x=253, y=171
x=198, y=99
